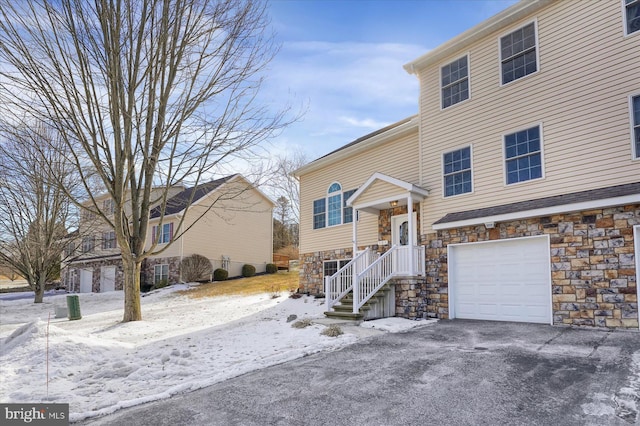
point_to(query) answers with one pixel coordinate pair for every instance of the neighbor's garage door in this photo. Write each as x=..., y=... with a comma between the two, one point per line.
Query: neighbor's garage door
x=506, y=280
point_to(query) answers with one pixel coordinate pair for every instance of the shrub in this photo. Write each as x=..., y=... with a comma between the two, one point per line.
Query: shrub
x=161, y=284
x=220, y=274
x=271, y=268
x=248, y=270
x=196, y=268
x=332, y=331
x=303, y=323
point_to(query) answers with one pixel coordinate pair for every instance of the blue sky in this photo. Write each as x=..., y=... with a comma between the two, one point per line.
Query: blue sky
x=343, y=60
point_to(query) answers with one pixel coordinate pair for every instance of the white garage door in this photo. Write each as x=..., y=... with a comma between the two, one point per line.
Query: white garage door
x=107, y=279
x=506, y=280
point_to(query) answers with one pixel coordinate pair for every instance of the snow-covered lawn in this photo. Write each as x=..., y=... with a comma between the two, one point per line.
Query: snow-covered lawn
x=99, y=365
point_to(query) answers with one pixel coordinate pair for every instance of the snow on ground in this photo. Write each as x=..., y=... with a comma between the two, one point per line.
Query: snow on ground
x=98, y=364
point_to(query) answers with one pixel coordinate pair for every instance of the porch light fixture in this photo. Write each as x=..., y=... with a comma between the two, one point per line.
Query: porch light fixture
x=394, y=203
x=490, y=225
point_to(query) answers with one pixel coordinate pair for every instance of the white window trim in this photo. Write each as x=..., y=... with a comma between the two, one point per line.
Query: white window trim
x=538, y=65
x=161, y=234
x=473, y=188
x=504, y=156
x=155, y=267
x=631, y=127
x=468, y=56
x=346, y=260
x=333, y=194
x=624, y=21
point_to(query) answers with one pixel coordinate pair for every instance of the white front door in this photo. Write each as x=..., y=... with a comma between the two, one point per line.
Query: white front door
x=400, y=238
x=107, y=278
x=505, y=280
x=86, y=280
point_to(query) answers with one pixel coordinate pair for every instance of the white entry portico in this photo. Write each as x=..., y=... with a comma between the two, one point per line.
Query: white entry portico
x=368, y=272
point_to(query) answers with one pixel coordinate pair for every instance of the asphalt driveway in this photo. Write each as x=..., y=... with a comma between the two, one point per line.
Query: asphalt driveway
x=451, y=373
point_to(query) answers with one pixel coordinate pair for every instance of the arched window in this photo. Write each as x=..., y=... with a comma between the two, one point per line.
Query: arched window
x=332, y=210
x=334, y=204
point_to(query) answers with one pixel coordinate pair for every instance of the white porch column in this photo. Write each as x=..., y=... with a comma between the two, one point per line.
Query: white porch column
x=412, y=232
x=354, y=239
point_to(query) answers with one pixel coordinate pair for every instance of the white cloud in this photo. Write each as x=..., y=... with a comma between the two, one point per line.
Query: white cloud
x=350, y=89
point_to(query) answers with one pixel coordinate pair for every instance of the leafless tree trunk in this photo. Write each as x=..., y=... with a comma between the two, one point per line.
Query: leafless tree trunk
x=150, y=93
x=34, y=210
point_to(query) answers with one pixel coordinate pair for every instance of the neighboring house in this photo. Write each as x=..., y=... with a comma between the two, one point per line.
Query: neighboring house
x=522, y=171
x=229, y=222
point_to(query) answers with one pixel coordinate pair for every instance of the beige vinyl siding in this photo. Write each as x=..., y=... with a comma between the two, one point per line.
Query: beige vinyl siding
x=239, y=228
x=378, y=191
x=397, y=158
x=579, y=97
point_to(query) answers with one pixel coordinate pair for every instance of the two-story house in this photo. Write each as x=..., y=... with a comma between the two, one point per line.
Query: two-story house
x=229, y=222
x=521, y=170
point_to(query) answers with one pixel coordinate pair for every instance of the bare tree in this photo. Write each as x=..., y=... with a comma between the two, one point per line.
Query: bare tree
x=153, y=93
x=284, y=184
x=35, y=211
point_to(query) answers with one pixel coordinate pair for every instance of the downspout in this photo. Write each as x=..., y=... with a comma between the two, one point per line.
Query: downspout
x=181, y=251
x=355, y=232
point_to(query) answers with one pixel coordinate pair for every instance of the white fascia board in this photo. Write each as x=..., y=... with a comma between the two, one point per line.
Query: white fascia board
x=525, y=214
x=358, y=147
x=414, y=190
x=497, y=22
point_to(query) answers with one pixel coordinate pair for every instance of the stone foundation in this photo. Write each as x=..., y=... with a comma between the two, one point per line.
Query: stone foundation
x=593, y=270
x=311, y=269
x=71, y=274
x=411, y=297
x=148, y=269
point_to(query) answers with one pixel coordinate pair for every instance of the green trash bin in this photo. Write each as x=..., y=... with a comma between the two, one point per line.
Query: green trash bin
x=73, y=306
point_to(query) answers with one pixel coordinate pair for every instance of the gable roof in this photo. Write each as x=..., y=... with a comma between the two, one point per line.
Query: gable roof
x=462, y=41
x=365, y=142
x=575, y=201
x=403, y=186
x=180, y=201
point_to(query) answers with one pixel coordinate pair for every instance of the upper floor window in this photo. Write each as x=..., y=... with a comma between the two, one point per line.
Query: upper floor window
x=518, y=53
x=88, y=244
x=108, y=240
x=454, y=78
x=523, y=155
x=69, y=249
x=332, y=210
x=319, y=213
x=108, y=206
x=162, y=235
x=635, y=120
x=457, y=172
x=632, y=16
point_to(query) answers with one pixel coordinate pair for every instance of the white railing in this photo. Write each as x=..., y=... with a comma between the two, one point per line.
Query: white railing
x=404, y=265
x=339, y=284
x=370, y=280
x=366, y=275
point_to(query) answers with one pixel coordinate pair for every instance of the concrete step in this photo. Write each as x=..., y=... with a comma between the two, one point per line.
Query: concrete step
x=344, y=315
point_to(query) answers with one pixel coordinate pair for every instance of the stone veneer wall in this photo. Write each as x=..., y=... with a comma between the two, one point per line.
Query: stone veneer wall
x=592, y=264
x=96, y=266
x=148, y=269
x=311, y=269
x=411, y=297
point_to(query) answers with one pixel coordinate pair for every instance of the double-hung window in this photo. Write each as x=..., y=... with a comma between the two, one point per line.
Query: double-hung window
x=109, y=240
x=319, y=213
x=162, y=235
x=518, y=53
x=632, y=16
x=160, y=272
x=108, y=206
x=523, y=155
x=454, y=78
x=457, y=172
x=332, y=210
x=635, y=121
x=88, y=243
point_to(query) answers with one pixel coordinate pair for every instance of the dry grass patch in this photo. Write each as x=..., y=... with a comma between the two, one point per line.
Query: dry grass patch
x=281, y=282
